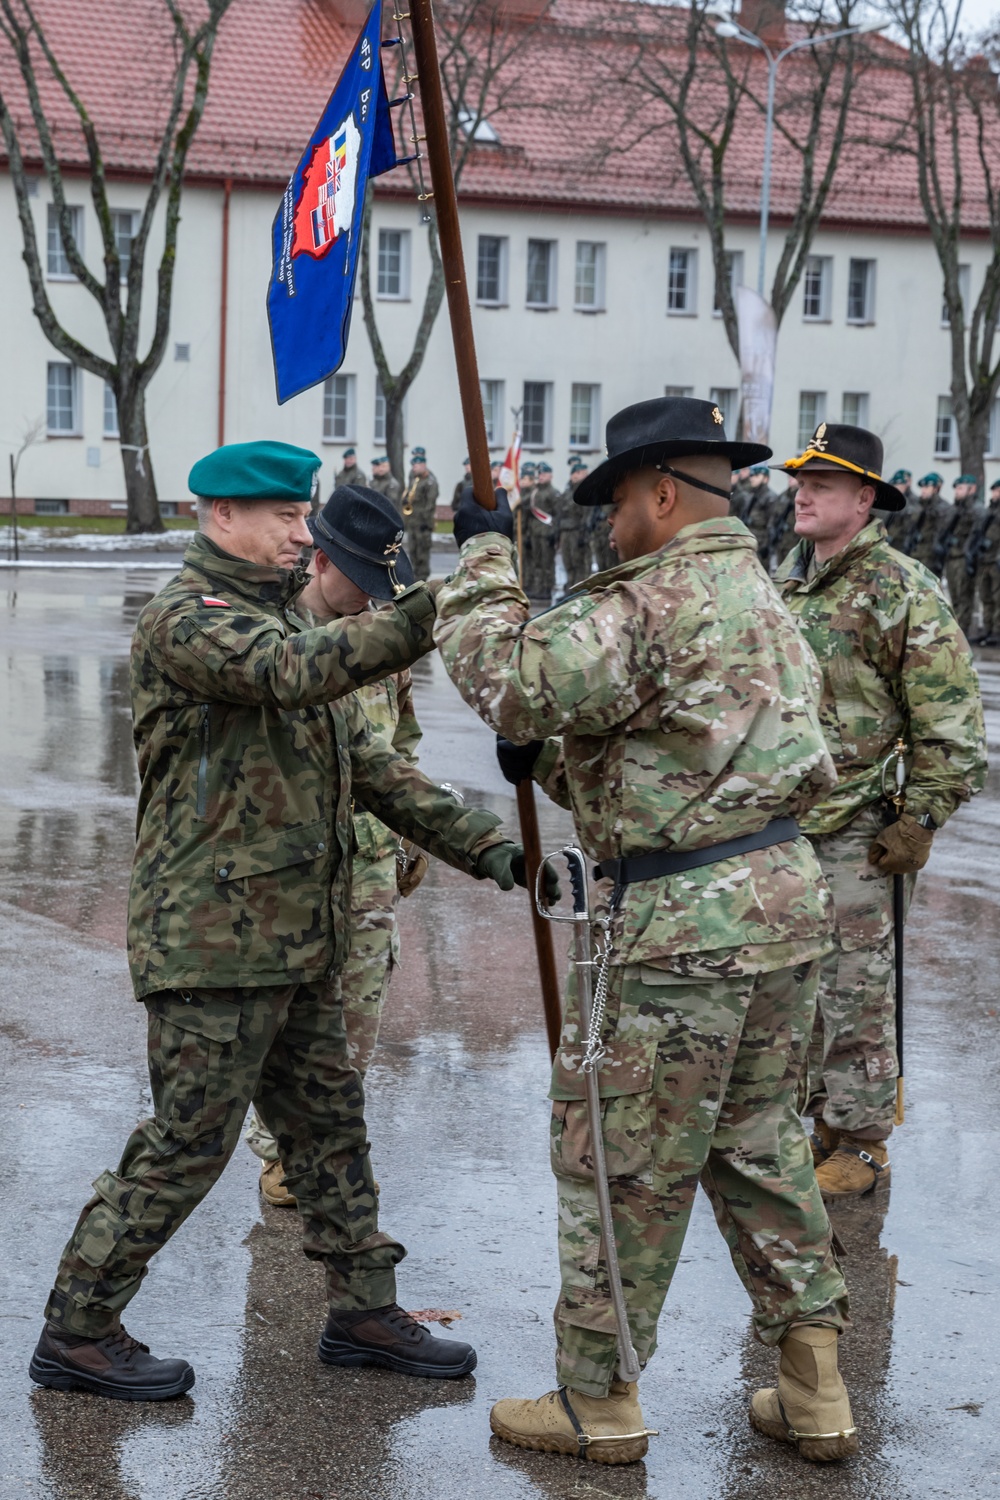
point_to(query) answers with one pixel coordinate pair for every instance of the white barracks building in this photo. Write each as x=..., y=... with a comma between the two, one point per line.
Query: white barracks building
x=589, y=265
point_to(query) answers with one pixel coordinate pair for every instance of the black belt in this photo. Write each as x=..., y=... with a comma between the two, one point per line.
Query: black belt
x=667, y=862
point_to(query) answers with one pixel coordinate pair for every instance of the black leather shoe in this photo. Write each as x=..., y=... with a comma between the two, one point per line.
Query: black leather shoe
x=389, y=1337
x=116, y=1366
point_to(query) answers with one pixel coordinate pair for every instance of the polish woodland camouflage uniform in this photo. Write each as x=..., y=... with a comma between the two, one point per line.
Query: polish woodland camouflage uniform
x=781, y=535
x=983, y=558
x=965, y=520
x=540, y=542
x=419, y=508
x=894, y=665
x=374, y=932
x=389, y=486
x=896, y=522
x=920, y=538
x=677, y=702
x=353, y=475
x=571, y=536
x=239, y=912
x=757, y=515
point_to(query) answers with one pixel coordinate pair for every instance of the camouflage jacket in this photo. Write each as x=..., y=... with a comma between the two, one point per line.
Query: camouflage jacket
x=241, y=871
x=419, y=502
x=686, y=702
x=758, y=513
x=894, y=664
x=387, y=485
x=965, y=519
x=388, y=707
x=356, y=475
x=920, y=540
x=566, y=514
x=983, y=548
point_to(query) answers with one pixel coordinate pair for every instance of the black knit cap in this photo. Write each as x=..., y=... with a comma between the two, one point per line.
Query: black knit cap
x=360, y=532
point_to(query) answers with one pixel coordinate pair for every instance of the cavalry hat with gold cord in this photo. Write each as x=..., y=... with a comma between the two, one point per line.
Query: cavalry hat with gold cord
x=834, y=446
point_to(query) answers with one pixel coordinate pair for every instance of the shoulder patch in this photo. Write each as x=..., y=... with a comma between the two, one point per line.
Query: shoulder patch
x=215, y=603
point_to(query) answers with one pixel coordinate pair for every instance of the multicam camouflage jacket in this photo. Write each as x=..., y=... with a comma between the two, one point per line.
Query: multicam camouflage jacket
x=686, y=702
x=895, y=664
x=241, y=871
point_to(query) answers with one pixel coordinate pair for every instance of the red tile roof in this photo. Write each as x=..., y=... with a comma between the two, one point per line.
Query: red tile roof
x=572, y=135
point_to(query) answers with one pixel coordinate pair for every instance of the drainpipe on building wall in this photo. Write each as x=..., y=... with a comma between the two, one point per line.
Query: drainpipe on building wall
x=227, y=193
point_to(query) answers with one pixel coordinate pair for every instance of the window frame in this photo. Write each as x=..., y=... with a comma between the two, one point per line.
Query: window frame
x=727, y=399
x=862, y=417
x=106, y=431
x=690, y=307
x=76, y=430
x=552, y=247
x=124, y=263
x=350, y=433
x=867, y=316
x=599, y=303
x=825, y=264
x=52, y=225
x=945, y=416
x=492, y=394
x=403, y=295
x=819, y=415
x=503, y=262
x=591, y=443
x=543, y=444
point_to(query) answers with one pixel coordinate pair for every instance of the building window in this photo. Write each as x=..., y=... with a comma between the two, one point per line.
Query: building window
x=964, y=275
x=855, y=408
x=124, y=227
x=51, y=507
x=491, y=270
x=682, y=289
x=584, y=416
x=725, y=398
x=812, y=411
x=182, y=353
x=57, y=261
x=492, y=393
x=379, y=433
x=339, y=409
x=732, y=268
x=945, y=432
x=63, y=400
x=817, y=283
x=536, y=414
x=678, y=390
x=541, y=290
x=110, y=411
x=588, y=278
x=394, y=264
x=861, y=292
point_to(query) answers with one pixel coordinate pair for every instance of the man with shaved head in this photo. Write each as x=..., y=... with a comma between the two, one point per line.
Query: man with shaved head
x=671, y=704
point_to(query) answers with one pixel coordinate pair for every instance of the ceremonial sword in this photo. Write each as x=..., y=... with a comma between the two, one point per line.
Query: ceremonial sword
x=896, y=759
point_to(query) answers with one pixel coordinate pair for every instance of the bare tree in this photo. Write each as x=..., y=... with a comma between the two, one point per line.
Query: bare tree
x=482, y=50
x=951, y=131
x=705, y=88
x=42, y=76
x=31, y=433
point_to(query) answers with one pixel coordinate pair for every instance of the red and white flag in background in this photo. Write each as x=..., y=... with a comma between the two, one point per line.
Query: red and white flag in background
x=510, y=470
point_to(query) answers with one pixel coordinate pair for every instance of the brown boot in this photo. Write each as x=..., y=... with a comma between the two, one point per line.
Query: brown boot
x=605, y=1430
x=272, y=1189
x=810, y=1406
x=823, y=1141
x=855, y=1168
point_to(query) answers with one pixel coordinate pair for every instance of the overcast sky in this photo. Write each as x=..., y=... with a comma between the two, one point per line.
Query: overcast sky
x=979, y=13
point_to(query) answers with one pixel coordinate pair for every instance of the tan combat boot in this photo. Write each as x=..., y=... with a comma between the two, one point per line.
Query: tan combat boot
x=823, y=1141
x=605, y=1430
x=854, y=1168
x=810, y=1406
x=272, y=1189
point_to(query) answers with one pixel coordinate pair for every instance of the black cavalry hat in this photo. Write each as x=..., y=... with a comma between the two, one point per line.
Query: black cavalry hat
x=669, y=427
x=834, y=445
x=360, y=531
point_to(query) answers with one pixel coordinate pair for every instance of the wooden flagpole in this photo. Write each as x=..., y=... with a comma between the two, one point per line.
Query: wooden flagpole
x=421, y=20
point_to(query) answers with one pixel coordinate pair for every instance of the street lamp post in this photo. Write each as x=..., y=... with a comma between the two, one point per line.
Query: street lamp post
x=731, y=28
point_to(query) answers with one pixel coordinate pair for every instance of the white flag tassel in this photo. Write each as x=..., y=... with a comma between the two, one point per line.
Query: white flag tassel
x=758, y=333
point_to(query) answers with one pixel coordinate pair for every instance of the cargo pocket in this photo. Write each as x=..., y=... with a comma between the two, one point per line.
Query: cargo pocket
x=103, y=1227
x=188, y=1035
x=625, y=1086
x=274, y=893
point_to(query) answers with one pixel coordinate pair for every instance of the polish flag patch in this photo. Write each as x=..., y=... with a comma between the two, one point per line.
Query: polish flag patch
x=215, y=603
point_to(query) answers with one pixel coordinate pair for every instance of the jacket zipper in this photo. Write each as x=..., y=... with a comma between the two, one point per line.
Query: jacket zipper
x=202, y=797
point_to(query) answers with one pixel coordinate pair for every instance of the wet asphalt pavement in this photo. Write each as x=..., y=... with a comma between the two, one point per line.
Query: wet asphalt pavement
x=458, y=1121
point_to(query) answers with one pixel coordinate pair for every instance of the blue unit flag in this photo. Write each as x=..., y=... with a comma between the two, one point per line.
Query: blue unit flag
x=316, y=233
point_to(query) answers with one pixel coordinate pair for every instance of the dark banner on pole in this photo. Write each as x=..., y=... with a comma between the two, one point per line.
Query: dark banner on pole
x=316, y=233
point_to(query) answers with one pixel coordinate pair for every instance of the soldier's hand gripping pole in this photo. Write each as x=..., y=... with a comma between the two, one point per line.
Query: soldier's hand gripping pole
x=591, y=1019
x=897, y=762
x=421, y=17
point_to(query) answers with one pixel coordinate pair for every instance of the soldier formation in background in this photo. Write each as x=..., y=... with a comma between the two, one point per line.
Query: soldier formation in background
x=350, y=472
x=419, y=509
x=384, y=482
x=571, y=534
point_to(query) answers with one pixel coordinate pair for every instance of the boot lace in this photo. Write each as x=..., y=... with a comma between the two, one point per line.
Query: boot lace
x=121, y=1342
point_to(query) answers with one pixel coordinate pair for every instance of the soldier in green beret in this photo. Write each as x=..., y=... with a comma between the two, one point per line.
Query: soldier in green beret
x=541, y=499
x=758, y=511
x=384, y=482
x=967, y=513
x=460, y=486
x=983, y=559
x=350, y=471
x=249, y=748
x=419, y=512
x=896, y=521
x=570, y=535
x=930, y=517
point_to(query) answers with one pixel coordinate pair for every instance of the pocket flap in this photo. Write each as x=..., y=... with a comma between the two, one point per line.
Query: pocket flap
x=276, y=851
x=626, y=1068
x=216, y=1020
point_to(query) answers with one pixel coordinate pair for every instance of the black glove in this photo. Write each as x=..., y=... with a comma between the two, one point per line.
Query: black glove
x=504, y=863
x=472, y=520
x=517, y=761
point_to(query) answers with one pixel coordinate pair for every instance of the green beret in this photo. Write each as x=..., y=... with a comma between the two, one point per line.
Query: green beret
x=967, y=479
x=418, y=454
x=255, y=471
x=931, y=478
x=760, y=469
x=901, y=476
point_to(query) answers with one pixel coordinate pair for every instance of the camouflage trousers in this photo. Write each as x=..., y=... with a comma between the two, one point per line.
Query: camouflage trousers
x=212, y=1053
x=419, y=534
x=988, y=579
x=574, y=548
x=699, y=1083
x=961, y=591
x=364, y=979
x=852, y=1058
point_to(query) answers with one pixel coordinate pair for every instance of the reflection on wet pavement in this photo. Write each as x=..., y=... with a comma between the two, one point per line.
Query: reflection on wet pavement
x=459, y=1125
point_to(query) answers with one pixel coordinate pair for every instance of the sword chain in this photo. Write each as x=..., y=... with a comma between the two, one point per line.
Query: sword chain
x=595, y=1049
